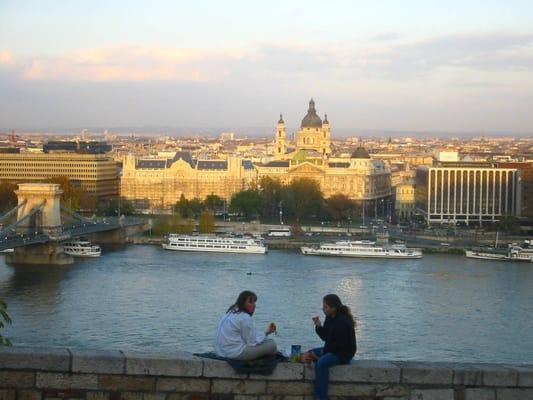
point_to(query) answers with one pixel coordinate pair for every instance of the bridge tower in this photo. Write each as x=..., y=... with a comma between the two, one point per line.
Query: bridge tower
x=47, y=197
x=39, y=211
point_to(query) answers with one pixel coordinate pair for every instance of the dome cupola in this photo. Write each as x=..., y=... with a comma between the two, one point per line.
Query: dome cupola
x=311, y=120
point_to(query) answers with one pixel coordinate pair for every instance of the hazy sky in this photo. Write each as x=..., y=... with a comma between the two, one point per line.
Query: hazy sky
x=402, y=65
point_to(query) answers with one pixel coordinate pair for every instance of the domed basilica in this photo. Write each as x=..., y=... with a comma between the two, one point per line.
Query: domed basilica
x=310, y=156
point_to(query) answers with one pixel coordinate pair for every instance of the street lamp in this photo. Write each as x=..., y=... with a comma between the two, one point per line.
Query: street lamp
x=281, y=212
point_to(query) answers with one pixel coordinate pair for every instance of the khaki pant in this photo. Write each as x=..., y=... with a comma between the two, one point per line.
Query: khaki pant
x=266, y=348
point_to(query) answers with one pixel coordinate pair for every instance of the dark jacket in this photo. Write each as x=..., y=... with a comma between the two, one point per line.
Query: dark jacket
x=339, y=335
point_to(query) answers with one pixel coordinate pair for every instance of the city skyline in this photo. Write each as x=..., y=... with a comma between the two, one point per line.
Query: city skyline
x=410, y=67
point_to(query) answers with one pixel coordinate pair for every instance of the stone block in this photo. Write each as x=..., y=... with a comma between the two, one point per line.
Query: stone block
x=199, y=396
x=368, y=371
x=63, y=393
x=244, y=397
x=479, y=394
x=283, y=372
x=220, y=369
x=16, y=379
x=367, y=390
x=514, y=394
x=131, y=396
x=425, y=373
x=97, y=396
x=54, y=380
x=34, y=358
x=231, y=386
x=154, y=396
x=96, y=361
x=466, y=375
x=525, y=375
x=432, y=394
x=498, y=375
x=177, y=364
x=289, y=388
x=29, y=395
x=7, y=394
x=126, y=383
x=187, y=385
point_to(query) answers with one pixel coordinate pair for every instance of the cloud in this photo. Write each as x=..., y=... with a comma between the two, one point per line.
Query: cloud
x=128, y=63
x=381, y=58
x=6, y=58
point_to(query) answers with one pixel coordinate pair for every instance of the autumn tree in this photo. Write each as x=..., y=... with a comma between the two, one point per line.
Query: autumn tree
x=8, y=198
x=206, y=223
x=246, y=202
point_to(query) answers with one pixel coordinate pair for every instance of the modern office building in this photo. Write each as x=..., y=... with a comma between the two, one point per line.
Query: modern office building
x=97, y=174
x=469, y=192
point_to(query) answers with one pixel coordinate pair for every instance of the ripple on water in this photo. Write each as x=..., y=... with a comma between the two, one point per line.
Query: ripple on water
x=440, y=307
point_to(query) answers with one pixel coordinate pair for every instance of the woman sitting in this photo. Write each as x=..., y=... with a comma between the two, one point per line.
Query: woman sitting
x=338, y=333
x=236, y=337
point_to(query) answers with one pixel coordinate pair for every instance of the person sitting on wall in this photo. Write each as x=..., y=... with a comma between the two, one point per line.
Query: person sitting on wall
x=236, y=336
x=338, y=333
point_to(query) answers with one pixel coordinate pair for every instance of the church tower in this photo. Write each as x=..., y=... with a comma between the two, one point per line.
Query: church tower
x=314, y=134
x=281, y=138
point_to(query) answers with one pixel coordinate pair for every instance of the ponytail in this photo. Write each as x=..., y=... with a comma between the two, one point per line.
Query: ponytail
x=345, y=310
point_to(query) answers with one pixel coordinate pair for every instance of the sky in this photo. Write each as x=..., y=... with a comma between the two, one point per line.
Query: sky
x=425, y=66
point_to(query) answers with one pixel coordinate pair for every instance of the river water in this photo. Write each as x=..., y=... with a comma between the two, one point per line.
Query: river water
x=140, y=297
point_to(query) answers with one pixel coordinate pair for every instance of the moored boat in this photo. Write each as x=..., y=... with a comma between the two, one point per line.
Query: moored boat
x=212, y=243
x=512, y=253
x=362, y=249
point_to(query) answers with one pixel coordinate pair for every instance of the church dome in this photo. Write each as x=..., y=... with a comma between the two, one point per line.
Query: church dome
x=311, y=120
x=360, y=152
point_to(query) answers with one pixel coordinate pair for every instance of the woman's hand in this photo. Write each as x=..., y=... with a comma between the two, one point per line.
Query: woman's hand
x=317, y=322
x=271, y=328
x=308, y=356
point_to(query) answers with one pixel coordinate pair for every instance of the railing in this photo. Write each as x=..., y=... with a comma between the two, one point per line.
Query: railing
x=22, y=239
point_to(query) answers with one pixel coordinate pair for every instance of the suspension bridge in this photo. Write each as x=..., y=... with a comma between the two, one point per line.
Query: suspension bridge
x=37, y=226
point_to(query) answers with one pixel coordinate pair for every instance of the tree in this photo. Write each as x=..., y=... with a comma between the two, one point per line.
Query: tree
x=3, y=321
x=188, y=208
x=246, y=202
x=71, y=194
x=8, y=198
x=340, y=207
x=213, y=202
x=206, y=223
x=272, y=192
x=111, y=208
x=304, y=199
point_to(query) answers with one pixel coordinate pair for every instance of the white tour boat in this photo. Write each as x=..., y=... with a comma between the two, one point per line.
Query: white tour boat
x=81, y=248
x=212, y=243
x=512, y=253
x=361, y=248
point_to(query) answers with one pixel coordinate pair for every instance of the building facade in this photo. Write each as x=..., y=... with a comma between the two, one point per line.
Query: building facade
x=96, y=174
x=404, y=203
x=526, y=184
x=158, y=183
x=472, y=193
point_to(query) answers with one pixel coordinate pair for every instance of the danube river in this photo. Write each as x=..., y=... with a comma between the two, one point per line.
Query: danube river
x=443, y=307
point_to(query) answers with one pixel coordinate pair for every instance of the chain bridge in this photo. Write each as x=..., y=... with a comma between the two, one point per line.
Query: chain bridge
x=37, y=226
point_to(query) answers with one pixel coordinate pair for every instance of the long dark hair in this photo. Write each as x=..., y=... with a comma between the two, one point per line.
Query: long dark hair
x=333, y=301
x=238, y=306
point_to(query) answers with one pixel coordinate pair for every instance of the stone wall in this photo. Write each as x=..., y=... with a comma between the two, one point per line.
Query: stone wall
x=53, y=374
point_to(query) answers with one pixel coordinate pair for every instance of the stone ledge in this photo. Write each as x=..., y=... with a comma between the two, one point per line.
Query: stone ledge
x=35, y=358
x=185, y=365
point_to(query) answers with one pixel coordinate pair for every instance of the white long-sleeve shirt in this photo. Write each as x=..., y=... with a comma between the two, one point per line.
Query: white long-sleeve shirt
x=235, y=331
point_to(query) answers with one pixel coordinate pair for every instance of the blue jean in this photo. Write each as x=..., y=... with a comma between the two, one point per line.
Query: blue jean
x=322, y=372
